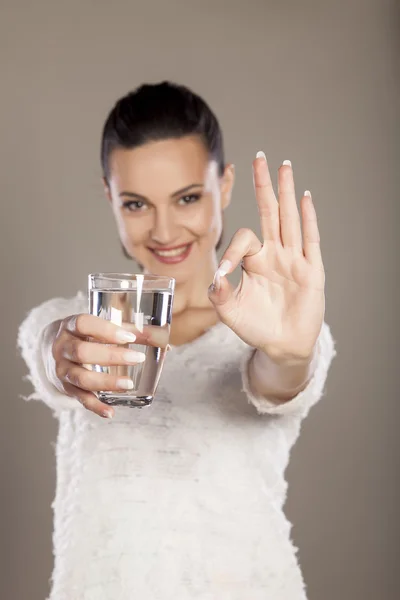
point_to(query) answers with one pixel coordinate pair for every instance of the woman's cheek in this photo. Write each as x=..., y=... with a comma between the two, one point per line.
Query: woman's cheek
x=206, y=221
x=213, y=228
x=132, y=235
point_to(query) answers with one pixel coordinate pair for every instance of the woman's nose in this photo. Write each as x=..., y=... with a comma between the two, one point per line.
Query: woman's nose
x=165, y=230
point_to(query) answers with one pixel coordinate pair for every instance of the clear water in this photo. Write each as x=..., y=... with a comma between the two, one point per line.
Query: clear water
x=149, y=312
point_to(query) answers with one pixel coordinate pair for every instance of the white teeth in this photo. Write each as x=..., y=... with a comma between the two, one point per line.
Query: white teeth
x=176, y=252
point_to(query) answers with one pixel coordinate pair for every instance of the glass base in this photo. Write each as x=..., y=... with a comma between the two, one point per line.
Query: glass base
x=113, y=399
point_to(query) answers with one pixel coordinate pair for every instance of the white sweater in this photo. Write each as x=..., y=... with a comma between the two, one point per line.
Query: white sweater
x=181, y=500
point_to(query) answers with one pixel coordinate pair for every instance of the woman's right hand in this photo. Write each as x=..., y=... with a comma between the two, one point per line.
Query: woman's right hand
x=65, y=349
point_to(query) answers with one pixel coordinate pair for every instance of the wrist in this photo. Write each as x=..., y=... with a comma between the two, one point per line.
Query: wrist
x=286, y=359
x=281, y=377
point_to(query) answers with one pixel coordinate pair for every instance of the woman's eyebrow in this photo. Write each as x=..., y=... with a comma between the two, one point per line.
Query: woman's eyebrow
x=133, y=195
x=180, y=192
x=186, y=189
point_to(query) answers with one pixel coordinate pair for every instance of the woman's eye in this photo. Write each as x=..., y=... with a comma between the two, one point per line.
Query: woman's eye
x=189, y=199
x=134, y=205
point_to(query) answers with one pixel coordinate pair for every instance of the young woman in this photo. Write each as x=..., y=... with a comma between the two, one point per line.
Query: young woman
x=184, y=499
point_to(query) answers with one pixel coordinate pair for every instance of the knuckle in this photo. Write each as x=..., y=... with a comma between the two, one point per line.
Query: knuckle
x=68, y=349
x=266, y=210
x=114, y=357
x=77, y=352
x=59, y=371
x=68, y=324
x=72, y=377
x=243, y=232
x=80, y=322
x=86, y=402
x=57, y=346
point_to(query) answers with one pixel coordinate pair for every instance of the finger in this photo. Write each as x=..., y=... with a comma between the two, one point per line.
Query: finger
x=89, y=401
x=100, y=329
x=93, y=381
x=268, y=208
x=288, y=212
x=312, y=247
x=242, y=247
x=152, y=335
x=82, y=352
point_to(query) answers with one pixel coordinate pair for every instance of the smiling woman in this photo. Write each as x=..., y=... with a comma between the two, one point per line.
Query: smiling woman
x=167, y=200
x=165, y=113
x=185, y=499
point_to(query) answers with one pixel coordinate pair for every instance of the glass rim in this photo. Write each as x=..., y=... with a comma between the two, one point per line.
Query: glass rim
x=130, y=276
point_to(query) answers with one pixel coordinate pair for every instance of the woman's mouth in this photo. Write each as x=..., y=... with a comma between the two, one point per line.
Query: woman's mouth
x=172, y=255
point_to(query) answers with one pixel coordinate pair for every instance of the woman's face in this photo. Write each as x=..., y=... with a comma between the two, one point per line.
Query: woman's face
x=168, y=199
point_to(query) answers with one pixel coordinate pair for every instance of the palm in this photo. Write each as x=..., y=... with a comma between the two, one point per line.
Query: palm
x=279, y=304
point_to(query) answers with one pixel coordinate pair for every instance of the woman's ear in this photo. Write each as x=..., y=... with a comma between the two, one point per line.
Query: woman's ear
x=227, y=183
x=106, y=189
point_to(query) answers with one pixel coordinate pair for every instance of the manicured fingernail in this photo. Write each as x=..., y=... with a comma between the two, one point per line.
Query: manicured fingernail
x=125, y=384
x=224, y=267
x=107, y=414
x=134, y=357
x=222, y=270
x=287, y=163
x=125, y=336
x=307, y=193
x=261, y=154
x=216, y=284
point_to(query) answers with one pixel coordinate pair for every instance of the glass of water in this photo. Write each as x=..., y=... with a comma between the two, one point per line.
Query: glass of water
x=143, y=305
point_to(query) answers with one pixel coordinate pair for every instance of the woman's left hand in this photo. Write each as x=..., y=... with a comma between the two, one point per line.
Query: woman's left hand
x=279, y=305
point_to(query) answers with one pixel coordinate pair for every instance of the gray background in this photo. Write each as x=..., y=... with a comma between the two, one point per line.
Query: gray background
x=314, y=82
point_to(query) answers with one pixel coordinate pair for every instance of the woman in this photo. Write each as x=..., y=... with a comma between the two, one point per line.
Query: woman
x=185, y=499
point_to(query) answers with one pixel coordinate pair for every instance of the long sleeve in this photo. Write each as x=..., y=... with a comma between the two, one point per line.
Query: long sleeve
x=301, y=403
x=29, y=342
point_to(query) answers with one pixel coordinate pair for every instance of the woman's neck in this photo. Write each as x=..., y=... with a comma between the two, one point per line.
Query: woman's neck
x=193, y=293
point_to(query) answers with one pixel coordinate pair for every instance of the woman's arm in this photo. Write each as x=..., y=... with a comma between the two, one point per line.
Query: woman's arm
x=288, y=388
x=280, y=380
x=33, y=337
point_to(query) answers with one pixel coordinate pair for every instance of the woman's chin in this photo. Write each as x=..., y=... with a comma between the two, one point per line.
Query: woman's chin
x=179, y=272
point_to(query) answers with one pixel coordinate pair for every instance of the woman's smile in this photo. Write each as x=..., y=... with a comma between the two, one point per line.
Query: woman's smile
x=173, y=255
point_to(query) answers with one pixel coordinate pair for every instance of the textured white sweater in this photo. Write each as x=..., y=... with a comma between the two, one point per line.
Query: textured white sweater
x=181, y=500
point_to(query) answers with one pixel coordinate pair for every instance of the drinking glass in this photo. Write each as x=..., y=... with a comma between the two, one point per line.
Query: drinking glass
x=143, y=305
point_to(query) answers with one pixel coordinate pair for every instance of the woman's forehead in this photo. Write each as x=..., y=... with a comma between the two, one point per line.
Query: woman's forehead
x=166, y=165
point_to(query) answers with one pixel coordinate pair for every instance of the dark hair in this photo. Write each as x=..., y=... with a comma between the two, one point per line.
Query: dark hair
x=158, y=112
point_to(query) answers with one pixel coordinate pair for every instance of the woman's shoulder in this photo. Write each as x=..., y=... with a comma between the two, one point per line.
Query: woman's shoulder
x=54, y=309
x=75, y=304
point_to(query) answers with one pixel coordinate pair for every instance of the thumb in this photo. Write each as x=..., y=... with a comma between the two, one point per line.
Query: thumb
x=221, y=292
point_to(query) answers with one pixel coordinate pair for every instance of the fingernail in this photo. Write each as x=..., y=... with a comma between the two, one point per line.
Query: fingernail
x=307, y=193
x=107, y=414
x=216, y=284
x=222, y=270
x=224, y=267
x=261, y=154
x=125, y=336
x=125, y=384
x=287, y=163
x=134, y=357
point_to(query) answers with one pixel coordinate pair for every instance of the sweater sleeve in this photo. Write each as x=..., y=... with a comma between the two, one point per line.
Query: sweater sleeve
x=301, y=403
x=30, y=336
